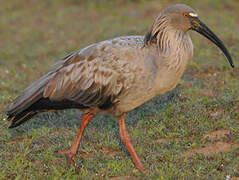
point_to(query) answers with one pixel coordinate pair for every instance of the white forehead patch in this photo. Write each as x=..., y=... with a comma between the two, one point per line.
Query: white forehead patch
x=193, y=14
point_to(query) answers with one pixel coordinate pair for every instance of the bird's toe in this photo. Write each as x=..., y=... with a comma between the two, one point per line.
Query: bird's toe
x=70, y=156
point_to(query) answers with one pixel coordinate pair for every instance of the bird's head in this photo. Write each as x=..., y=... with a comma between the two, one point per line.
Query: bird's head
x=182, y=18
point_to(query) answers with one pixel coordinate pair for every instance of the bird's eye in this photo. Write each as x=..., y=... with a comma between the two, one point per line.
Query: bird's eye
x=186, y=14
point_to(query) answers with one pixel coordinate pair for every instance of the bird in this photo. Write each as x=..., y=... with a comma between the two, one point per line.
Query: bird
x=116, y=76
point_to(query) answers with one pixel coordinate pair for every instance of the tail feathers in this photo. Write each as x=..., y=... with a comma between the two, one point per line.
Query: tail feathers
x=20, y=118
x=20, y=111
x=31, y=101
x=29, y=96
x=41, y=105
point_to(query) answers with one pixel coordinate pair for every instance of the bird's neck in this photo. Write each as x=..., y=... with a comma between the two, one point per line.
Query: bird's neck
x=177, y=48
x=173, y=47
x=169, y=41
x=173, y=42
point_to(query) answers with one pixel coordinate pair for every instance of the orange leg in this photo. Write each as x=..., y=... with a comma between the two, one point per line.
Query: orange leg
x=126, y=139
x=72, y=151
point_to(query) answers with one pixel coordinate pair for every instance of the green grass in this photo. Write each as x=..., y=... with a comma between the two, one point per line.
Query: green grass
x=35, y=34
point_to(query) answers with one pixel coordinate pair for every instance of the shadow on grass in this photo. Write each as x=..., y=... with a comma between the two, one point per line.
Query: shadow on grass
x=71, y=118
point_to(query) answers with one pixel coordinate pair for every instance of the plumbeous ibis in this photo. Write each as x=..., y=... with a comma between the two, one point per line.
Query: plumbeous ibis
x=117, y=75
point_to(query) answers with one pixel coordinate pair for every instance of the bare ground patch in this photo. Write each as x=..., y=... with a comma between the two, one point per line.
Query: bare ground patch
x=216, y=145
x=212, y=148
x=217, y=135
x=218, y=142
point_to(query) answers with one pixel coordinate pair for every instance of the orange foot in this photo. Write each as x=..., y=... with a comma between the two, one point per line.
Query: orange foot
x=70, y=156
x=145, y=171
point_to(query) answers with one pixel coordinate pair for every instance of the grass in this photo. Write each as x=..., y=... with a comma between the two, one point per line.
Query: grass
x=35, y=34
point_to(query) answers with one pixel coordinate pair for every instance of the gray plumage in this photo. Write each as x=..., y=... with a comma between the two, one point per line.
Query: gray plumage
x=116, y=76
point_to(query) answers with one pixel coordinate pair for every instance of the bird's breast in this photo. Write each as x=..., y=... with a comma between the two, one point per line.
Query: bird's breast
x=171, y=69
x=158, y=75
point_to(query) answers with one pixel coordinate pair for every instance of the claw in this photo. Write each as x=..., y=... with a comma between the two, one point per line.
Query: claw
x=145, y=171
x=71, y=153
x=70, y=156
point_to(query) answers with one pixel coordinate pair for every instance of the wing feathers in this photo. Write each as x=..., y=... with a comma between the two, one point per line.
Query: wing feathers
x=91, y=76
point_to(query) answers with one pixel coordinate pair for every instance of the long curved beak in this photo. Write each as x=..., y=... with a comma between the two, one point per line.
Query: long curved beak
x=201, y=28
